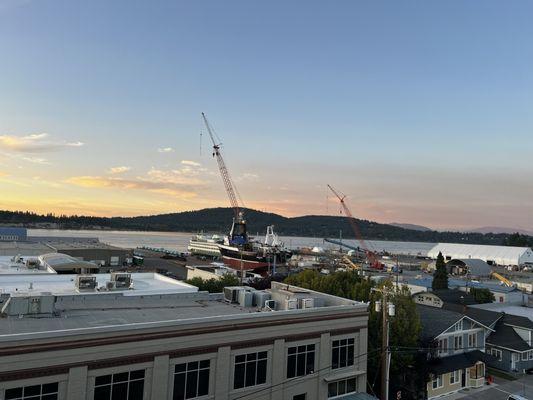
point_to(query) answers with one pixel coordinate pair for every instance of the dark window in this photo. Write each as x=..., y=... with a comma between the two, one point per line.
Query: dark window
x=250, y=369
x=302, y=396
x=48, y=391
x=342, y=353
x=300, y=360
x=341, y=387
x=191, y=380
x=121, y=386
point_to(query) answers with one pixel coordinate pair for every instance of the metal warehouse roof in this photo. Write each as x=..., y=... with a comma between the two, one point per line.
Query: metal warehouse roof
x=502, y=255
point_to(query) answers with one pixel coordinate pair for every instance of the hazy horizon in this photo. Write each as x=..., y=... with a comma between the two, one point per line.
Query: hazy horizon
x=419, y=111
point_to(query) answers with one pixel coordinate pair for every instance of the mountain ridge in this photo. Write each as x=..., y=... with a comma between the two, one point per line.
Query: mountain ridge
x=219, y=220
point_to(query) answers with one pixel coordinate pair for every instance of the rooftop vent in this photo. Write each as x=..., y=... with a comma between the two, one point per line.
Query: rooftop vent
x=121, y=280
x=86, y=282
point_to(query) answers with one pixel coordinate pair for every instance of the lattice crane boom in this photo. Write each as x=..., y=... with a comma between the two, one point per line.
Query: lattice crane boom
x=224, y=173
x=372, y=258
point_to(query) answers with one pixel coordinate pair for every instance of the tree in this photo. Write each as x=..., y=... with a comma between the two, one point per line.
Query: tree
x=214, y=285
x=440, y=277
x=407, y=367
x=482, y=295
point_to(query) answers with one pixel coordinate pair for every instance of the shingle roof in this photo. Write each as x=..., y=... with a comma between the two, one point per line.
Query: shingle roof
x=436, y=320
x=505, y=336
x=516, y=320
x=484, y=317
x=458, y=361
x=455, y=296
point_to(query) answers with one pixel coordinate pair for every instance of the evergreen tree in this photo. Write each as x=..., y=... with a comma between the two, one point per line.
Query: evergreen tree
x=440, y=277
x=482, y=295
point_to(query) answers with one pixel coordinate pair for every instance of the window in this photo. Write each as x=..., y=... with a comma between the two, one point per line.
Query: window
x=443, y=346
x=496, y=353
x=300, y=360
x=477, y=371
x=531, y=354
x=122, y=386
x=525, y=355
x=437, y=382
x=472, y=341
x=458, y=342
x=344, y=386
x=342, y=354
x=250, y=369
x=454, y=377
x=46, y=391
x=302, y=396
x=458, y=326
x=191, y=380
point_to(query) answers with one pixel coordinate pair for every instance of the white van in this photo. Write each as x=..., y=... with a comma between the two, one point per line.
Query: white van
x=516, y=397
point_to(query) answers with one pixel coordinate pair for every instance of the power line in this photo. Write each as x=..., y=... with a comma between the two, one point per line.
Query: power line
x=296, y=378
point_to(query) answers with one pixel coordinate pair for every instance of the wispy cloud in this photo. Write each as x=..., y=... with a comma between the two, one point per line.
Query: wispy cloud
x=165, y=150
x=191, y=163
x=34, y=143
x=118, y=170
x=183, y=182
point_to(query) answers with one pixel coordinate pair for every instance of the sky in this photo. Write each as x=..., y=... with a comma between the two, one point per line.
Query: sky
x=419, y=111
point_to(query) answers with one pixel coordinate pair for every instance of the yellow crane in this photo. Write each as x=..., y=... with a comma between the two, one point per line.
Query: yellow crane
x=350, y=263
x=502, y=279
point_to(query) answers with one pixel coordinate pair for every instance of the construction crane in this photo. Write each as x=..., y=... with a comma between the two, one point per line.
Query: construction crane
x=370, y=255
x=224, y=173
x=502, y=279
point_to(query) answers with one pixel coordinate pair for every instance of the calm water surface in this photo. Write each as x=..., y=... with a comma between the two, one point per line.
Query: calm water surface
x=179, y=240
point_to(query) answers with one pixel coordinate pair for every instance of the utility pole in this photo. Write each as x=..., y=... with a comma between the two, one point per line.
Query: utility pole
x=387, y=310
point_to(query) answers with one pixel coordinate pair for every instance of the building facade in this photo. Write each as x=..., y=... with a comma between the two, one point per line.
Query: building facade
x=293, y=344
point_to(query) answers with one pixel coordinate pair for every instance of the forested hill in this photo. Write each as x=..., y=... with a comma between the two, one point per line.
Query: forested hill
x=219, y=220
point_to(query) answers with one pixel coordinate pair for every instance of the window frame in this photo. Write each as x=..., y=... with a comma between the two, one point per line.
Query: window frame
x=457, y=338
x=246, y=351
x=472, y=340
x=294, y=345
x=198, y=370
x=33, y=396
x=93, y=373
x=438, y=378
x=112, y=383
x=455, y=376
x=345, y=380
x=340, y=338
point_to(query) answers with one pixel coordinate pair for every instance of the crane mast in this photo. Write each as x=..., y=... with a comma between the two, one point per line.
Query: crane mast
x=371, y=256
x=224, y=173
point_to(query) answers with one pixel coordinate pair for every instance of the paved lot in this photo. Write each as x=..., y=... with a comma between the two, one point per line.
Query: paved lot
x=500, y=391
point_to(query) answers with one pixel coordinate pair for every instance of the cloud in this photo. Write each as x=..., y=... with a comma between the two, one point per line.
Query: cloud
x=34, y=143
x=129, y=184
x=191, y=163
x=183, y=182
x=165, y=150
x=118, y=170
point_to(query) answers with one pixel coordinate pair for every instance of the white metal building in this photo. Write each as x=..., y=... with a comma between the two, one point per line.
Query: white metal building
x=500, y=255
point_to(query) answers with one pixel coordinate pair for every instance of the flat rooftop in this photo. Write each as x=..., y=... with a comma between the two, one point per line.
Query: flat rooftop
x=9, y=267
x=144, y=283
x=116, y=311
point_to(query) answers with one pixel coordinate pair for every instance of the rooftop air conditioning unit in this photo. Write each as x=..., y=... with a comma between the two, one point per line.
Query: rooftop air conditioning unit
x=32, y=263
x=231, y=294
x=86, y=282
x=246, y=298
x=122, y=279
x=270, y=305
x=307, y=303
x=291, y=304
